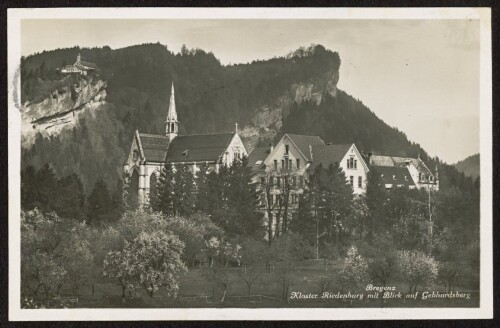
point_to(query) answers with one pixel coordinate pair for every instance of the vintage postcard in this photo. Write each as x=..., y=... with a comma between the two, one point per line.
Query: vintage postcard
x=256, y=163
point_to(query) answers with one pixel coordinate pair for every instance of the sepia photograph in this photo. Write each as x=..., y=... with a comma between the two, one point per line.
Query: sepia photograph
x=250, y=163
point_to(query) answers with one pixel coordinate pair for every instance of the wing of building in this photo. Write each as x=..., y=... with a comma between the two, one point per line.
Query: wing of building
x=404, y=172
x=149, y=153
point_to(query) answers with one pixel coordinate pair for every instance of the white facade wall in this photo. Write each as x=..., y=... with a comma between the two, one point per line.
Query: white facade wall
x=360, y=172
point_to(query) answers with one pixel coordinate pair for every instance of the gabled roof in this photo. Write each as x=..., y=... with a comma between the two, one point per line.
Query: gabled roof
x=397, y=176
x=394, y=161
x=328, y=154
x=302, y=142
x=201, y=147
x=256, y=155
x=154, y=147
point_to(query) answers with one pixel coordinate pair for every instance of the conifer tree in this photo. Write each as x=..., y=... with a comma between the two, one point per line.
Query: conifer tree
x=202, y=189
x=100, y=206
x=69, y=201
x=165, y=190
x=244, y=219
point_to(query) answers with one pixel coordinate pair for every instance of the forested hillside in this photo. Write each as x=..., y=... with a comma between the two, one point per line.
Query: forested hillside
x=210, y=97
x=469, y=166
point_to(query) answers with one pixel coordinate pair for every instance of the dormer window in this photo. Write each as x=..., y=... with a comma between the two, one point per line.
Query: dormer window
x=258, y=162
x=406, y=178
x=185, y=153
x=393, y=177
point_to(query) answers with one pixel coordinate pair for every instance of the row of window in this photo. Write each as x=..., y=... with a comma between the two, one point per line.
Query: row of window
x=274, y=199
x=296, y=181
x=360, y=181
x=287, y=164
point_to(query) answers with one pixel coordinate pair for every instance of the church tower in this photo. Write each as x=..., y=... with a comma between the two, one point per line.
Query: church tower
x=171, y=124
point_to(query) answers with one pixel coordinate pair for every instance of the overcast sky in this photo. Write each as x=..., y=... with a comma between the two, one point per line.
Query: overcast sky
x=421, y=76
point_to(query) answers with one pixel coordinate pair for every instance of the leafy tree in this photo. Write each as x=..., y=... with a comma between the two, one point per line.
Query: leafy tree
x=156, y=261
x=251, y=257
x=223, y=254
x=417, y=268
x=354, y=271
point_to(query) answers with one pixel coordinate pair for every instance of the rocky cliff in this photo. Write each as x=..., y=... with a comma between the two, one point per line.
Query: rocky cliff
x=62, y=108
x=268, y=119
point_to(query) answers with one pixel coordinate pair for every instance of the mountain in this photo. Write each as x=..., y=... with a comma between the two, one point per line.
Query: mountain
x=86, y=126
x=469, y=166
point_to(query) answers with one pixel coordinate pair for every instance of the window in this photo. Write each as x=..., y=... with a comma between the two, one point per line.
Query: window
x=351, y=163
x=420, y=177
x=275, y=164
x=360, y=182
x=271, y=181
x=282, y=164
x=351, y=180
x=271, y=200
x=290, y=164
x=278, y=182
x=298, y=163
x=294, y=181
x=301, y=181
x=355, y=163
x=286, y=149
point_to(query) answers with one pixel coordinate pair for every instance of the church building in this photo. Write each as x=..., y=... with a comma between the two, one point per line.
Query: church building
x=149, y=153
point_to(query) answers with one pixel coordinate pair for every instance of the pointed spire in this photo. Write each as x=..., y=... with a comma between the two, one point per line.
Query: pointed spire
x=236, y=127
x=171, y=124
x=172, y=112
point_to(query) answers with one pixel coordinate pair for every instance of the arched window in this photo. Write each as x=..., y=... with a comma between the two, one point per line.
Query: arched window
x=153, y=180
x=133, y=190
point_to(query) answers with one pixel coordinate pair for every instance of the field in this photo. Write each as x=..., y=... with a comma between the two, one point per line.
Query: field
x=309, y=277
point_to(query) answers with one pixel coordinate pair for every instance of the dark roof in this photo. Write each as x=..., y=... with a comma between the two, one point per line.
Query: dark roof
x=303, y=142
x=154, y=147
x=328, y=154
x=197, y=148
x=258, y=154
x=381, y=160
x=395, y=176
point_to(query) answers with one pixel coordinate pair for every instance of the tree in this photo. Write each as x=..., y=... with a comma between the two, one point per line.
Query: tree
x=376, y=196
x=183, y=191
x=326, y=207
x=354, y=271
x=244, y=219
x=417, y=268
x=223, y=254
x=117, y=265
x=100, y=206
x=155, y=260
x=165, y=191
x=69, y=200
x=251, y=256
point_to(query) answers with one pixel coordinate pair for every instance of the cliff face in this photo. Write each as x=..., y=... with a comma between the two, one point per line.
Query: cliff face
x=61, y=109
x=268, y=119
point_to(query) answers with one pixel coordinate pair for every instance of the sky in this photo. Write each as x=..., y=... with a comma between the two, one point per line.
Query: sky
x=421, y=76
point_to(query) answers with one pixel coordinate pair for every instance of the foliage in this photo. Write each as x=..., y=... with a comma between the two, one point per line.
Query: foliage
x=417, y=268
x=354, y=271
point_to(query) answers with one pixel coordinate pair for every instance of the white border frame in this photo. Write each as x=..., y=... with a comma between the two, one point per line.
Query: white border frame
x=485, y=310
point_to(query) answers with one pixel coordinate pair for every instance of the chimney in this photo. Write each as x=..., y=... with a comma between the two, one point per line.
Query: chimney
x=271, y=147
x=311, y=152
x=370, y=158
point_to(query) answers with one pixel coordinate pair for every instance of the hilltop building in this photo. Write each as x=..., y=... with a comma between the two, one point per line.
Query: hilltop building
x=80, y=67
x=149, y=153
